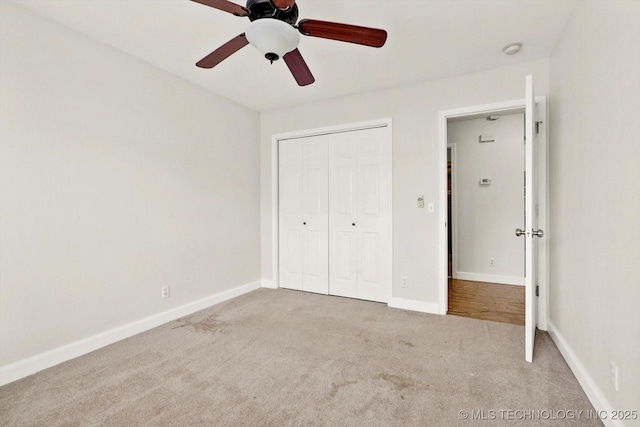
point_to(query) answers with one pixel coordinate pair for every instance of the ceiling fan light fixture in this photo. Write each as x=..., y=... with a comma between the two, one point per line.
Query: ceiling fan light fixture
x=272, y=37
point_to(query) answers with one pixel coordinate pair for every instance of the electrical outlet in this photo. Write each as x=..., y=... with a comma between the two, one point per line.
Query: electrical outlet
x=165, y=292
x=492, y=262
x=614, y=375
x=404, y=281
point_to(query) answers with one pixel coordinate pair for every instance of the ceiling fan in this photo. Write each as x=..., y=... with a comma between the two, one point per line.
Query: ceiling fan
x=273, y=31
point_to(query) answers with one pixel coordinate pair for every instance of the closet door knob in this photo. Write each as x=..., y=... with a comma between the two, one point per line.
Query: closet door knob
x=304, y=223
x=353, y=223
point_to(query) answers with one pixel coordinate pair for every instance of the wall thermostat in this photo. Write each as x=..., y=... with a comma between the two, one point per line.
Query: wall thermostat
x=485, y=182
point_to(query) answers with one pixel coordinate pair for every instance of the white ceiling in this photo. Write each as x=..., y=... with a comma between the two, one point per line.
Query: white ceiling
x=428, y=39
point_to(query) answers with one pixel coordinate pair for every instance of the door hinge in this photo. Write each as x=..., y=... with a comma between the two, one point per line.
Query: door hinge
x=537, y=290
x=538, y=127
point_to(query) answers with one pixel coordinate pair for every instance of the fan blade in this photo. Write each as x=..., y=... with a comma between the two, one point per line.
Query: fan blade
x=343, y=32
x=223, y=52
x=226, y=6
x=298, y=68
x=283, y=4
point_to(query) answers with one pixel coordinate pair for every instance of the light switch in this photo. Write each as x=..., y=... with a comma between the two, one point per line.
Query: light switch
x=421, y=202
x=431, y=208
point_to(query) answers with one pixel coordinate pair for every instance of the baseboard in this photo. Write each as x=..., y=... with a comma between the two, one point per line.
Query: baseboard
x=593, y=392
x=490, y=278
x=413, y=305
x=39, y=362
x=268, y=284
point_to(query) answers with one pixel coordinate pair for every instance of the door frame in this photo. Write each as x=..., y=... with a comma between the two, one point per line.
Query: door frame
x=543, y=197
x=275, y=179
x=454, y=219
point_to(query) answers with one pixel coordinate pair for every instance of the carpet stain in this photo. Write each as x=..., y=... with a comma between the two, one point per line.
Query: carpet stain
x=407, y=343
x=401, y=383
x=335, y=387
x=208, y=325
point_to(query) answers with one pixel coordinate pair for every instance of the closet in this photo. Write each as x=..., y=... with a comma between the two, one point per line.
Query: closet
x=335, y=214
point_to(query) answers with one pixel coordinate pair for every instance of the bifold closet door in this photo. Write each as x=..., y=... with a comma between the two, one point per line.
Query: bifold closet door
x=303, y=206
x=360, y=214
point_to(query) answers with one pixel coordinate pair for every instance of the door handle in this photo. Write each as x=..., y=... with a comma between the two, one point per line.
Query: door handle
x=537, y=233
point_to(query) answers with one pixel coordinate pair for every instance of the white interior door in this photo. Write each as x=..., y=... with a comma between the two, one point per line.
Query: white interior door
x=303, y=216
x=531, y=232
x=360, y=214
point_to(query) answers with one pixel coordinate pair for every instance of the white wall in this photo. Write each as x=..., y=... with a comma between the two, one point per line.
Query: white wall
x=595, y=196
x=488, y=215
x=115, y=178
x=414, y=110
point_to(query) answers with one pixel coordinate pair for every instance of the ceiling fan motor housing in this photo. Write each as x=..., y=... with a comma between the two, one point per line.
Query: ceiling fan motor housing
x=259, y=9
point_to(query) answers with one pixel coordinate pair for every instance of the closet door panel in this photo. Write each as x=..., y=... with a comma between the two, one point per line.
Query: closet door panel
x=290, y=212
x=374, y=214
x=359, y=189
x=315, y=199
x=303, y=205
x=370, y=189
x=370, y=258
x=343, y=236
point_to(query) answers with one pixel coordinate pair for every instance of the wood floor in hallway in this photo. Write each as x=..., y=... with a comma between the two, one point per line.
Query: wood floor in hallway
x=487, y=301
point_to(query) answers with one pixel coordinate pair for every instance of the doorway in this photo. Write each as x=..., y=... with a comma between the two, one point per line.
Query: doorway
x=485, y=169
x=448, y=225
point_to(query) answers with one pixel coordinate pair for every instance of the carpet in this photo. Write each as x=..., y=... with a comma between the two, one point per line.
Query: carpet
x=287, y=358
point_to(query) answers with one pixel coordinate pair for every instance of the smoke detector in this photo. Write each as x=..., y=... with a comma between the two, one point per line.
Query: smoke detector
x=512, y=48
